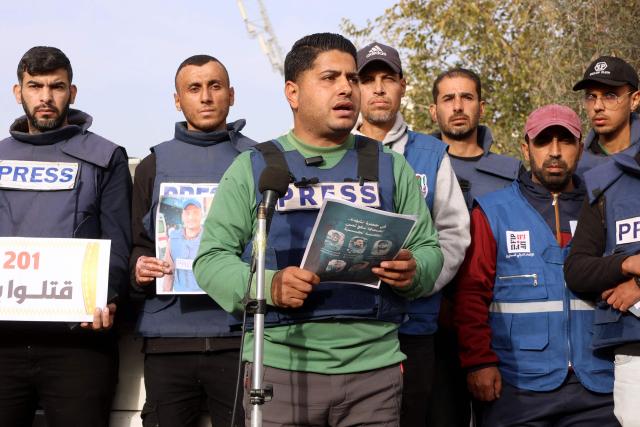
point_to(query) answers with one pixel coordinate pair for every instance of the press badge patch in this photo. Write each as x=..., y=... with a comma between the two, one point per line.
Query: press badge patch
x=311, y=197
x=628, y=231
x=41, y=176
x=518, y=242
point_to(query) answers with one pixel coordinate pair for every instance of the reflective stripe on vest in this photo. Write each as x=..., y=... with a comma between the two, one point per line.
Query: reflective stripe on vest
x=539, y=306
x=526, y=307
x=538, y=326
x=578, y=304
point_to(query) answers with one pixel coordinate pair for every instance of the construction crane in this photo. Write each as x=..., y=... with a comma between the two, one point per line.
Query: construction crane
x=262, y=30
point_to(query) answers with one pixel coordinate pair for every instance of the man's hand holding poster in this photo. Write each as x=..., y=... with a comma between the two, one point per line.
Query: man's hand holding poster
x=48, y=279
x=347, y=241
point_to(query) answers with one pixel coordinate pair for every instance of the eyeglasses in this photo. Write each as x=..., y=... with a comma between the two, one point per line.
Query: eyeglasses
x=610, y=100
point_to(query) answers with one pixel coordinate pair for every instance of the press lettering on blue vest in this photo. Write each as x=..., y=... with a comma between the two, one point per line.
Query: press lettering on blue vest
x=187, y=189
x=424, y=187
x=518, y=243
x=311, y=197
x=41, y=176
x=628, y=230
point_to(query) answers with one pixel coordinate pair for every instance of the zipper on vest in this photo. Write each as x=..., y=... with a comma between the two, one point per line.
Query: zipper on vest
x=533, y=276
x=567, y=297
x=556, y=209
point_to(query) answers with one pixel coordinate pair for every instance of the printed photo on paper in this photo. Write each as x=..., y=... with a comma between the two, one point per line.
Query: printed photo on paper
x=182, y=209
x=347, y=241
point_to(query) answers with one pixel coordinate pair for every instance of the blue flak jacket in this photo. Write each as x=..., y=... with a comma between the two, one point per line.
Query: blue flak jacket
x=191, y=157
x=290, y=232
x=538, y=325
x=424, y=153
x=618, y=181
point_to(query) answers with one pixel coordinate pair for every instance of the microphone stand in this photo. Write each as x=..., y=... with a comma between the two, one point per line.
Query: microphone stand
x=259, y=393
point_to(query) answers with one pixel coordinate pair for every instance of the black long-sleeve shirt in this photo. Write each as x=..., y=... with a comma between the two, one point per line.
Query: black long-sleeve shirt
x=141, y=203
x=586, y=269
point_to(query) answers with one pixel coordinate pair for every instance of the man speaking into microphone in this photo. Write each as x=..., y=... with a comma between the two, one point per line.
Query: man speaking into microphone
x=332, y=355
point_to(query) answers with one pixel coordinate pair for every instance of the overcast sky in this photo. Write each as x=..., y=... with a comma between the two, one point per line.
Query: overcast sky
x=124, y=55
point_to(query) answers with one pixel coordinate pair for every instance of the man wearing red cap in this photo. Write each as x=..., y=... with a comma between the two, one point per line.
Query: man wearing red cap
x=524, y=337
x=610, y=96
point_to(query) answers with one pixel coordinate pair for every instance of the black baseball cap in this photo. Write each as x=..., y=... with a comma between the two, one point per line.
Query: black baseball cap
x=379, y=52
x=610, y=71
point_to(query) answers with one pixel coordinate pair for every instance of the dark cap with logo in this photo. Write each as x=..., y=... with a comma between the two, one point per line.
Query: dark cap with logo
x=610, y=71
x=379, y=52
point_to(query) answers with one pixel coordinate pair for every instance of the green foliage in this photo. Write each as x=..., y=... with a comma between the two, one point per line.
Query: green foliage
x=527, y=53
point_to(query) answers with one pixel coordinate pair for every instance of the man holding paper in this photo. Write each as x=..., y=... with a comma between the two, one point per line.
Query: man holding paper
x=331, y=351
x=59, y=180
x=191, y=352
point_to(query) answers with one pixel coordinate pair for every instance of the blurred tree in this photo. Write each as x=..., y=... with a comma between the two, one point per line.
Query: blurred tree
x=527, y=53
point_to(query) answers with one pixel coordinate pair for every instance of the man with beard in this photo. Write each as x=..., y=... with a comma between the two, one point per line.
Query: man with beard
x=191, y=353
x=610, y=96
x=382, y=86
x=457, y=108
x=524, y=337
x=331, y=349
x=69, y=369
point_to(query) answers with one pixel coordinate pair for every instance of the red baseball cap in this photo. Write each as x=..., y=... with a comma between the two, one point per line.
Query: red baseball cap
x=553, y=115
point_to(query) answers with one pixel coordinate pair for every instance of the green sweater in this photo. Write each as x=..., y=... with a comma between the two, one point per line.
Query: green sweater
x=329, y=346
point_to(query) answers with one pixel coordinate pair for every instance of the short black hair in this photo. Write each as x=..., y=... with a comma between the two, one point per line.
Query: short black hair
x=43, y=60
x=301, y=56
x=199, y=61
x=457, y=72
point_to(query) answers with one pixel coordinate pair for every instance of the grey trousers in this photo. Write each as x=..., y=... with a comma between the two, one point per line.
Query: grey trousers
x=371, y=398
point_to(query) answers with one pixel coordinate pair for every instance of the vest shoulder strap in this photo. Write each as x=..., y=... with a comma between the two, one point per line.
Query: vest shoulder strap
x=499, y=165
x=368, y=154
x=91, y=148
x=273, y=156
x=367, y=149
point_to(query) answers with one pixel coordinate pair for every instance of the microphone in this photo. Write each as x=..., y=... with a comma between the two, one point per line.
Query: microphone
x=273, y=184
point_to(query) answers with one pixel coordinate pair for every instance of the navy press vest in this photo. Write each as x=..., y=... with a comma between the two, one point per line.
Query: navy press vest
x=61, y=213
x=290, y=231
x=589, y=159
x=490, y=173
x=179, y=161
x=619, y=182
x=424, y=153
x=538, y=326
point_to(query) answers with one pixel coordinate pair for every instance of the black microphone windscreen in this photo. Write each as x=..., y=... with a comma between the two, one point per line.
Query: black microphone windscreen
x=274, y=179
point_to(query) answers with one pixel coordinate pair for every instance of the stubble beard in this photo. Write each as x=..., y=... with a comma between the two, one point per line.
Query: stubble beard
x=553, y=183
x=459, y=133
x=44, y=125
x=379, y=117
